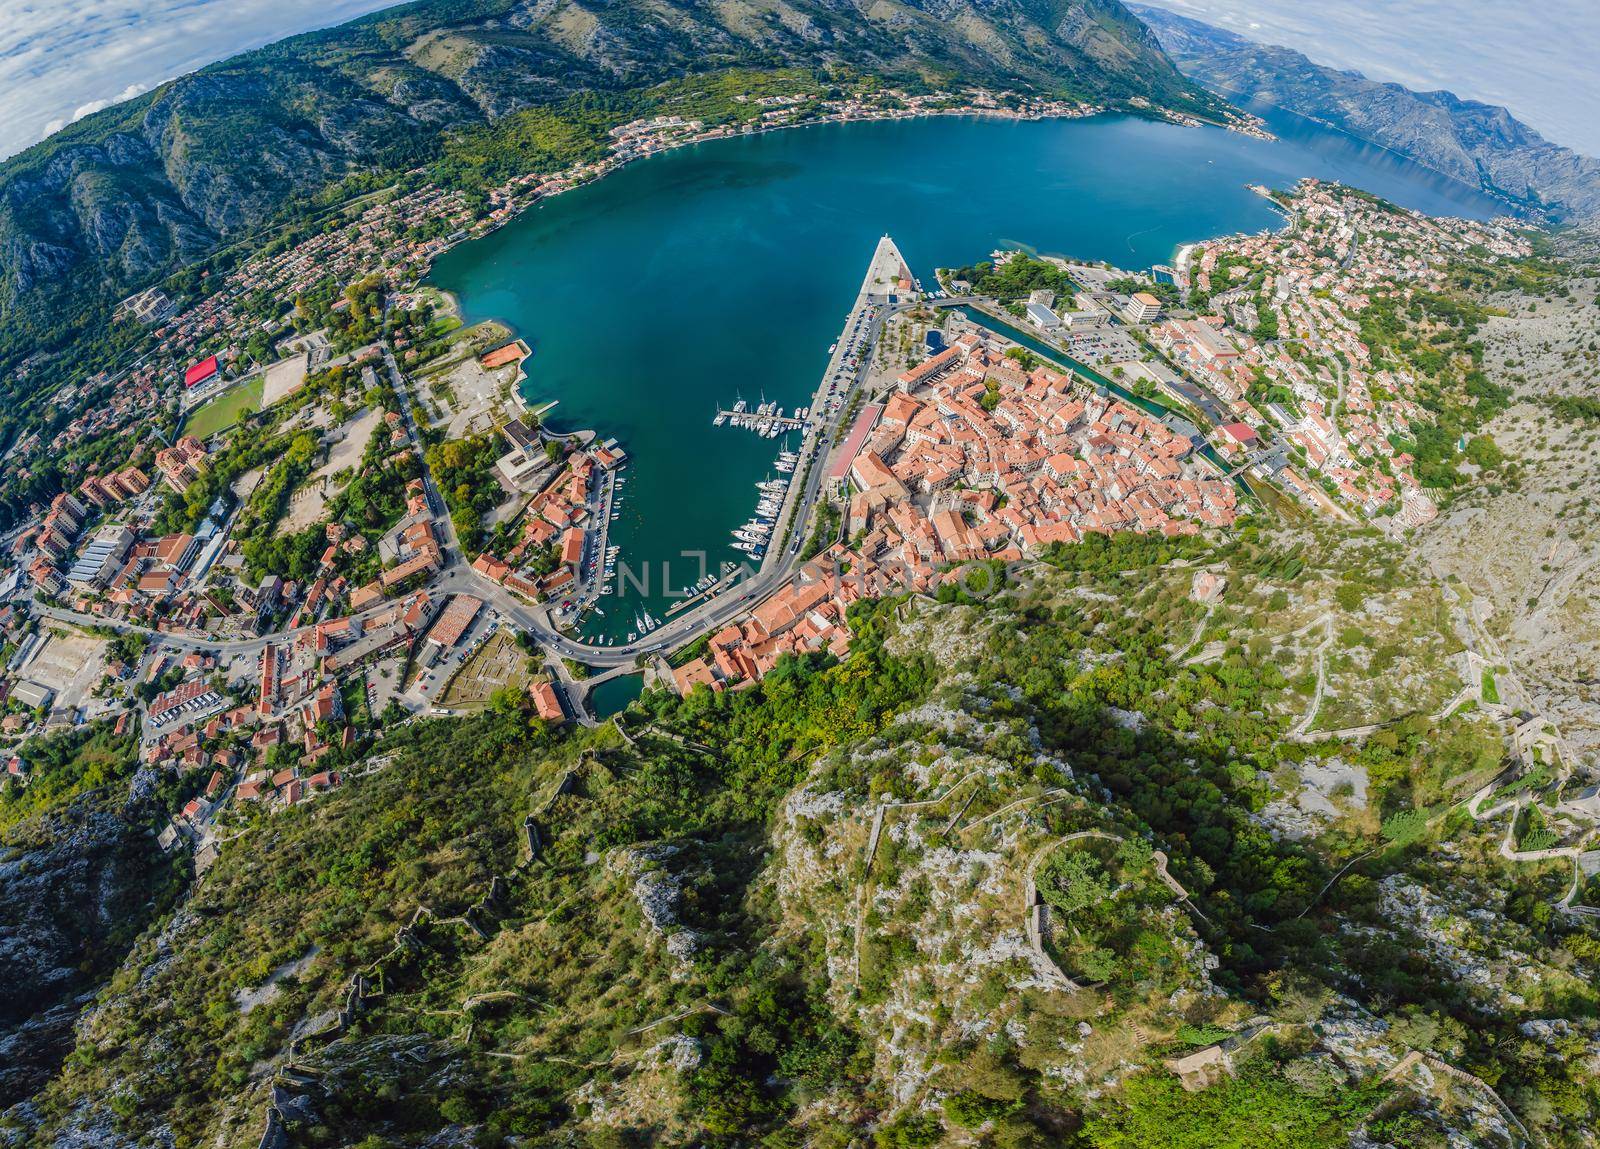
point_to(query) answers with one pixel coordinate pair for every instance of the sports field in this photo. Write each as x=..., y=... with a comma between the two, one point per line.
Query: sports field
x=225, y=410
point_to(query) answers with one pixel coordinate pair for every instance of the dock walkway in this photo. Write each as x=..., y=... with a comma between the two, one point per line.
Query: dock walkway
x=753, y=420
x=888, y=266
x=710, y=592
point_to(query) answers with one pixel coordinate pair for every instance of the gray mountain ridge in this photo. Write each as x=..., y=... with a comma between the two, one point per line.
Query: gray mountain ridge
x=1479, y=144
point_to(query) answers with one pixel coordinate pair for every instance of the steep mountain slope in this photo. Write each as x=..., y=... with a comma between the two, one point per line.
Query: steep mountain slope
x=79, y=881
x=1480, y=144
x=148, y=186
x=1529, y=550
x=805, y=913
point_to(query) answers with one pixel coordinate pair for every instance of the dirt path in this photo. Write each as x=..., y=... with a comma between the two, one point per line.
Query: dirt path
x=1508, y=683
x=879, y=816
x=1194, y=639
x=1508, y=849
x=1326, y=622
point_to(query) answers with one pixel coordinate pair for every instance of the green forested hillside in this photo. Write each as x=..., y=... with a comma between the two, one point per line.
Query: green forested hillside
x=795, y=915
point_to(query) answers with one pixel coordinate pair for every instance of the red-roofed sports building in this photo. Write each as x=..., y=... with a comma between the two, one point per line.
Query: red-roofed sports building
x=454, y=621
x=199, y=372
x=847, y=451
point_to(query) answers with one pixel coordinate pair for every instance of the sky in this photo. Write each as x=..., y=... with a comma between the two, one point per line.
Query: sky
x=1536, y=59
x=63, y=59
x=60, y=60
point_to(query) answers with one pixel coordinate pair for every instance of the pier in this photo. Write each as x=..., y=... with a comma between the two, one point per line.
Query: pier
x=847, y=367
x=710, y=592
x=756, y=421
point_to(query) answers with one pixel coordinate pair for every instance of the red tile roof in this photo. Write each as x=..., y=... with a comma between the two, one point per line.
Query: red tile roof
x=199, y=372
x=546, y=702
x=852, y=443
x=1240, y=432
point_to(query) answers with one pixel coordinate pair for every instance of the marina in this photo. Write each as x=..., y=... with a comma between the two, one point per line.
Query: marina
x=846, y=366
x=766, y=419
x=604, y=560
x=753, y=537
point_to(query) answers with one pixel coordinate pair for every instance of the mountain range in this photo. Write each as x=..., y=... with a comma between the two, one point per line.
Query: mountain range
x=130, y=194
x=1479, y=144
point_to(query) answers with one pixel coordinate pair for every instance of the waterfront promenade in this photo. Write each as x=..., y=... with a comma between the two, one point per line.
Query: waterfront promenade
x=842, y=379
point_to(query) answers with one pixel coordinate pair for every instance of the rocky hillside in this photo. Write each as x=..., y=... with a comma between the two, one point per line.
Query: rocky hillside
x=1479, y=144
x=1073, y=866
x=1529, y=547
x=148, y=186
x=78, y=884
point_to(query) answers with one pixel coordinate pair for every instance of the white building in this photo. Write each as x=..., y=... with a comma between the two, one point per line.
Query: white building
x=1144, y=307
x=33, y=695
x=98, y=561
x=1042, y=317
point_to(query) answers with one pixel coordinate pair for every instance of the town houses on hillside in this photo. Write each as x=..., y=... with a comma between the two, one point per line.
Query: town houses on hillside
x=1285, y=346
x=974, y=457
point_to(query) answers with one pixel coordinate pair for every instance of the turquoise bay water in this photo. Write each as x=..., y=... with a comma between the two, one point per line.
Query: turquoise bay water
x=726, y=269
x=614, y=696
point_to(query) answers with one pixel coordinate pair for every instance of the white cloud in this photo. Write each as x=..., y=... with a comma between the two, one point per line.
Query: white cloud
x=94, y=106
x=61, y=60
x=1535, y=59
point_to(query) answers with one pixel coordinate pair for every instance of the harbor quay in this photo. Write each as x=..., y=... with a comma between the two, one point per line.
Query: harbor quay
x=888, y=277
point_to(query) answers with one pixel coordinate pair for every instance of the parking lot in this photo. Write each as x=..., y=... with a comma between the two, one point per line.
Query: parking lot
x=68, y=662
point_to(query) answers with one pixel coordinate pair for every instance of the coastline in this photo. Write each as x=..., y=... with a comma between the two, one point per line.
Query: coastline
x=1180, y=259
x=594, y=172
x=545, y=187
x=584, y=175
x=452, y=302
x=1516, y=208
x=1185, y=251
x=604, y=414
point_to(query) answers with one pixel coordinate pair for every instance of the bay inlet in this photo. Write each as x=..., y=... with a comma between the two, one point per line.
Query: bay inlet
x=721, y=271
